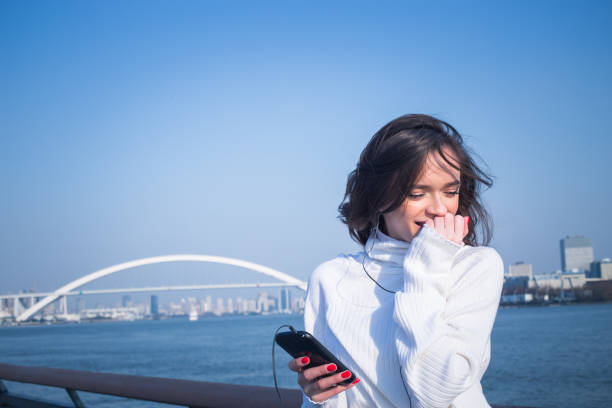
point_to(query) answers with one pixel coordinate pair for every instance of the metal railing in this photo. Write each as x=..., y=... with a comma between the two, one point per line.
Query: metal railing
x=194, y=394
x=188, y=393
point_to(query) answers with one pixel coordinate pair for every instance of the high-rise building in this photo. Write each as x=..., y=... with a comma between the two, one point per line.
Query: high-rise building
x=154, y=307
x=297, y=305
x=220, y=309
x=263, y=303
x=204, y=307
x=284, y=305
x=209, y=304
x=576, y=253
x=520, y=269
x=126, y=301
x=240, y=305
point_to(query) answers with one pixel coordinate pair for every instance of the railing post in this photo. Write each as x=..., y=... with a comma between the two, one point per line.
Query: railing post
x=76, y=400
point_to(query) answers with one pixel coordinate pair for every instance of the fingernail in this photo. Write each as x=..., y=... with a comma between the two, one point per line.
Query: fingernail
x=346, y=374
x=468, y=219
x=332, y=367
x=356, y=381
x=305, y=360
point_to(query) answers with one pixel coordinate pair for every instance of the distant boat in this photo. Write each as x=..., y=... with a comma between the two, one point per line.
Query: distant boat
x=193, y=315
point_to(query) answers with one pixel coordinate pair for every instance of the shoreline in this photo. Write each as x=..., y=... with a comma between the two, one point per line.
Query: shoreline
x=546, y=304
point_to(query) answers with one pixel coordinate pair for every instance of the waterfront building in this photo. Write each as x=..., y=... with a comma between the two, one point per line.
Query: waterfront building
x=209, y=304
x=599, y=289
x=154, y=307
x=285, y=301
x=520, y=269
x=272, y=304
x=297, y=305
x=561, y=280
x=573, y=280
x=263, y=303
x=5, y=305
x=204, y=307
x=220, y=309
x=112, y=313
x=576, y=253
x=192, y=306
x=176, y=309
x=601, y=269
x=518, y=278
x=241, y=305
x=516, y=299
x=252, y=306
x=513, y=284
x=550, y=280
x=126, y=301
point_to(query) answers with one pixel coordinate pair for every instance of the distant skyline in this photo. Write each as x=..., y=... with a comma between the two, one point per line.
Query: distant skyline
x=144, y=128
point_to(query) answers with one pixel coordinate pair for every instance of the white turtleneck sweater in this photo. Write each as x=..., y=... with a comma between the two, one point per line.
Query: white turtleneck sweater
x=427, y=345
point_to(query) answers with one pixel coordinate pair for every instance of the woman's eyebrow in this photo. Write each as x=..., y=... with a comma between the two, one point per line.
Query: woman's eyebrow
x=455, y=183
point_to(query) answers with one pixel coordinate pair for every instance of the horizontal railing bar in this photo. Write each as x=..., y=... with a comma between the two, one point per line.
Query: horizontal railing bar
x=195, y=394
x=190, y=393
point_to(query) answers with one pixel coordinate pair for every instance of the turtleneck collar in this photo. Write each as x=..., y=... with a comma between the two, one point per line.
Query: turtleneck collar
x=383, y=248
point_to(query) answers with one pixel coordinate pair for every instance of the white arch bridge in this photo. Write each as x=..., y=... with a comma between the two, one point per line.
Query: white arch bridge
x=71, y=287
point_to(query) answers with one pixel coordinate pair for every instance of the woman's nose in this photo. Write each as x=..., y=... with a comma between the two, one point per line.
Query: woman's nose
x=436, y=207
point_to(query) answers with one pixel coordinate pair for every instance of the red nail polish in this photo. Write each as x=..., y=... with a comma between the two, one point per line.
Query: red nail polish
x=305, y=360
x=332, y=367
x=356, y=381
x=468, y=219
x=346, y=374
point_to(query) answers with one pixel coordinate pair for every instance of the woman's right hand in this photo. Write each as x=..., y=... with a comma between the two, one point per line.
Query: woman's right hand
x=452, y=227
x=324, y=388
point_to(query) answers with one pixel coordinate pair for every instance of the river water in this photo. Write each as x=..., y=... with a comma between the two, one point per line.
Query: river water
x=556, y=356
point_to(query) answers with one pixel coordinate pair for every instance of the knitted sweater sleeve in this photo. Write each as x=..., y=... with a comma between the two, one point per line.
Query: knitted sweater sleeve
x=444, y=316
x=315, y=310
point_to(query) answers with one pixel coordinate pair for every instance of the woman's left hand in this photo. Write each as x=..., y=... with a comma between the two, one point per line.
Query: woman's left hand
x=452, y=227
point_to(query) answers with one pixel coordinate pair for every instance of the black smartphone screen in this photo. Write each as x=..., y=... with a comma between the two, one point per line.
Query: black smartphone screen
x=301, y=343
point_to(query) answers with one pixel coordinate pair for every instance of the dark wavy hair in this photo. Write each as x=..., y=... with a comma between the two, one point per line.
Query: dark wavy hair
x=390, y=165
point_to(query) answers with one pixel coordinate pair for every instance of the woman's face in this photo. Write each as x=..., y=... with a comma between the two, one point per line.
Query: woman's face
x=434, y=194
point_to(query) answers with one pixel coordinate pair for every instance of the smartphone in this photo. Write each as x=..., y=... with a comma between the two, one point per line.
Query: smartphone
x=301, y=343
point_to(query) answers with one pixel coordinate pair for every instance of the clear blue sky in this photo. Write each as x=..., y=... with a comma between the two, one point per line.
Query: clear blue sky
x=141, y=128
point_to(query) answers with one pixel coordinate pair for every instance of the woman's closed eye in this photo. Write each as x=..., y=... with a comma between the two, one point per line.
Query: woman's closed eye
x=415, y=196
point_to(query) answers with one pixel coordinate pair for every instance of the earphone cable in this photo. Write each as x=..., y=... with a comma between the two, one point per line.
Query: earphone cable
x=280, y=399
x=367, y=254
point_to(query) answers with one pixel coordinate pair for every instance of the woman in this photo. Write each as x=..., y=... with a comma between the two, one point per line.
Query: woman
x=412, y=314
